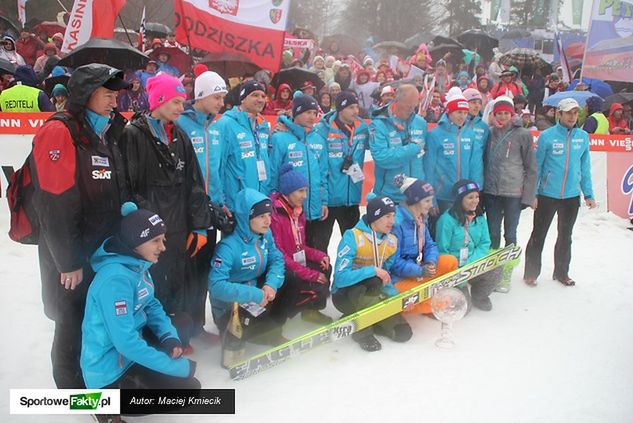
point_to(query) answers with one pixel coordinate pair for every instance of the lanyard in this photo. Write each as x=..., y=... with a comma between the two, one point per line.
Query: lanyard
x=420, y=229
x=206, y=157
x=294, y=223
x=378, y=260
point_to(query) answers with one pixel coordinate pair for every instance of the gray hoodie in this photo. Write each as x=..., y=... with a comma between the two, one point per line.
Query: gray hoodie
x=510, y=163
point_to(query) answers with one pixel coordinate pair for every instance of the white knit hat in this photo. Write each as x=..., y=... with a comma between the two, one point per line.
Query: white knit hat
x=209, y=83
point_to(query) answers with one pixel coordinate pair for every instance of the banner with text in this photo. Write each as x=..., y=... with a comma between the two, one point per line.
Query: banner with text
x=90, y=19
x=251, y=29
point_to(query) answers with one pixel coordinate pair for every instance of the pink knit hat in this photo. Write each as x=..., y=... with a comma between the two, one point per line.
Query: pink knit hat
x=162, y=88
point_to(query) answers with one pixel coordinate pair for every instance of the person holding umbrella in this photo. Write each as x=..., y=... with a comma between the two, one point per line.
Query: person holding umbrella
x=164, y=66
x=563, y=172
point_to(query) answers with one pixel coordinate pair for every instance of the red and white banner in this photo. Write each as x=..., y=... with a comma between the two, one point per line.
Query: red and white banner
x=90, y=19
x=22, y=12
x=298, y=43
x=251, y=29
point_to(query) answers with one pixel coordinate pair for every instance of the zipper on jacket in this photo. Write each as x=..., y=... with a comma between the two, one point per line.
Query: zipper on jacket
x=259, y=253
x=562, y=189
x=546, y=179
x=305, y=144
x=459, y=148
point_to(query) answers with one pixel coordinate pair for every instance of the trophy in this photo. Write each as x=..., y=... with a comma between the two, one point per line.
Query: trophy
x=449, y=305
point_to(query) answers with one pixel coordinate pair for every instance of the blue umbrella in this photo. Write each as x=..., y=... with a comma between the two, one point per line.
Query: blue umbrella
x=596, y=86
x=580, y=96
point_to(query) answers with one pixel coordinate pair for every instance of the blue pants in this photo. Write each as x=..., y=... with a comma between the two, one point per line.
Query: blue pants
x=506, y=209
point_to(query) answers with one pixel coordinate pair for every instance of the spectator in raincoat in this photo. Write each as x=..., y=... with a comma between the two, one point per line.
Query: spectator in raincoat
x=364, y=88
x=9, y=53
x=617, y=124
x=49, y=51
x=29, y=46
x=283, y=100
x=59, y=97
x=507, y=86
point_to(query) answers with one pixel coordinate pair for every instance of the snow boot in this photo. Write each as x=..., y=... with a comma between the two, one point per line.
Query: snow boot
x=483, y=304
x=369, y=343
x=316, y=317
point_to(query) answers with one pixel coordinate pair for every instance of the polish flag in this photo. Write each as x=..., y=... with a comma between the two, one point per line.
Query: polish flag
x=252, y=29
x=90, y=19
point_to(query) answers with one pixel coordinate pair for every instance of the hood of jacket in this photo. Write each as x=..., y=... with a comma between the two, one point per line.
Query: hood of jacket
x=244, y=202
x=614, y=107
x=26, y=75
x=113, y=251
x=297, y=130
x=86, y=79
x=446, y=124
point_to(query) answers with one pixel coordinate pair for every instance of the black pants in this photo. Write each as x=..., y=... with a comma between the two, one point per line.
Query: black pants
x=170, y=274
x=366, y=293
x=198, y=282
x=567, y=210
x=297, y=294
x=139, y=377
x=319, y=232
x=443, y=206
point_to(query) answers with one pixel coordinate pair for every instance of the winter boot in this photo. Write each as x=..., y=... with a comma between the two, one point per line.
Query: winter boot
x=506, y=277
x=316, y=317
x=369, y=343
x=483, y=304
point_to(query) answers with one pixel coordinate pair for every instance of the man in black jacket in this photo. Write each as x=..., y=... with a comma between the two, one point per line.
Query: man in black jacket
x=79, y=186
x=164, y=177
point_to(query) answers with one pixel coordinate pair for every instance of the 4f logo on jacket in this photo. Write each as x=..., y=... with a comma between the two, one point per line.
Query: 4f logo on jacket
x=102, y=174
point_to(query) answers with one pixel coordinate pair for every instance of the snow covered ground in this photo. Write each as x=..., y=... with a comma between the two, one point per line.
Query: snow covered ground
x=548, y=354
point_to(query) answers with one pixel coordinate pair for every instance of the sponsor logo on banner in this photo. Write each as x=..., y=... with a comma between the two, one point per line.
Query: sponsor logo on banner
x=64, y=401
x=627, y=187
x=275, y=15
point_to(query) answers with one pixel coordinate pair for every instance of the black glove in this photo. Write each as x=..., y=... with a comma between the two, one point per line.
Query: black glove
x=220, y=220
x=169, y=344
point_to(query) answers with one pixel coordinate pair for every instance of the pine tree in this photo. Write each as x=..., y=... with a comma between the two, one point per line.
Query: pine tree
x=460, y=15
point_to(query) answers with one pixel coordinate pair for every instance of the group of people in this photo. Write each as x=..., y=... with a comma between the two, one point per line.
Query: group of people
x=130, y=213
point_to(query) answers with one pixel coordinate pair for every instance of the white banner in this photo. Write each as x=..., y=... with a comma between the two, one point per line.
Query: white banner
x=79, y=26
x=298, y=43
x=267, y=14
x=22, y=12
x=65, y=401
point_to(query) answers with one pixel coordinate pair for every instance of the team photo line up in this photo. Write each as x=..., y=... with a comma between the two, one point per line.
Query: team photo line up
x=126, y=216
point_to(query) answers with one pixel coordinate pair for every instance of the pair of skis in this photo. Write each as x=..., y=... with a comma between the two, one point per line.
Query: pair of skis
x=364, y=318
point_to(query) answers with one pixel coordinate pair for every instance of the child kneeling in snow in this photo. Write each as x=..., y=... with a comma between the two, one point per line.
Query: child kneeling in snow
x=462, y=231
x=361, y=279
x=117, y=348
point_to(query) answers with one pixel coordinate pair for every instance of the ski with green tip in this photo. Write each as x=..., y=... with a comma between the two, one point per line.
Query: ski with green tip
x=364, y=318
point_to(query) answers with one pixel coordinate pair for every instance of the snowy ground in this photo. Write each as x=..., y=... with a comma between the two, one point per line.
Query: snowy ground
x=547, y=354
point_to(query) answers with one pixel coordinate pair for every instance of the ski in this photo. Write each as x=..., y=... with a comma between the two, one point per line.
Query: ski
x=361, y=319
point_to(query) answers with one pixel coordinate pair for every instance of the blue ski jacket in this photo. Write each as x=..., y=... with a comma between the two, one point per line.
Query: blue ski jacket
x=341, y=190
x=206, y=144
x=119, y=304
x=355, y=257
x=243, y=143
x=406, y=230
x=397, y=147
x=305, y=150
x=452, y=153
x=563, y=163
x=481, y=129
x=241, y=258
x=451, y=237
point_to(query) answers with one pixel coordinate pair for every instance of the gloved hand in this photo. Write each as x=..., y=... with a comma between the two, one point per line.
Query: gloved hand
x=169, y=344
x=195, y=241
x=220, y=220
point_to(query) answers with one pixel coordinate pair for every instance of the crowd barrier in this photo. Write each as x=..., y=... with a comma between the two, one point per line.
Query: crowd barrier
x=611, y=159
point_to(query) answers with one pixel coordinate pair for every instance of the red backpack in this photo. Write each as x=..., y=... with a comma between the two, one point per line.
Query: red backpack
x=25, y=225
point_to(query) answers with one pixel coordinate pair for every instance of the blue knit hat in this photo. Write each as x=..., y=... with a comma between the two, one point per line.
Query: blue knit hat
x=416, y=190
x=302, y=103
x=291, y=180
x=59, y=89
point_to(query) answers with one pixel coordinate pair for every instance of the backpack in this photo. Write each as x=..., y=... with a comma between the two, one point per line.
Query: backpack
x=25, y=226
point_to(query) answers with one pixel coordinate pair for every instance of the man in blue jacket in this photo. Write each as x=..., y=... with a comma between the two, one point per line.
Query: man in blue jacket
x=452, y=153
x=128, y=340
x=346, y=137
x=243, y=134
x=306, y=151
x=397, y=137
x=563, y=171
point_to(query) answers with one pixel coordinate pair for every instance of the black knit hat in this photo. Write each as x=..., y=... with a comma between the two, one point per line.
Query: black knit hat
x=139, y=226
x=462, y=188
x=302, y=103
x=344, y=99
x=264, y=206
x=251, y=86
x=378, y=207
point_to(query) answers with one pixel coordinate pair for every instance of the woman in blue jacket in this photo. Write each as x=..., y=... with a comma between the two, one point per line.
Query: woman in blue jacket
x=128, y=341
x=417, y=258
x=462, y=231
x=248, y=269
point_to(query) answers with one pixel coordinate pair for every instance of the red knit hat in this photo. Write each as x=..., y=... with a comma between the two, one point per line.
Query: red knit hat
x=455, y=101
x=503, y=104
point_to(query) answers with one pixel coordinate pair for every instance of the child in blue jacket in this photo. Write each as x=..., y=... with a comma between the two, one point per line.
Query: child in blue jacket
x=462, y=231
x=128, y=341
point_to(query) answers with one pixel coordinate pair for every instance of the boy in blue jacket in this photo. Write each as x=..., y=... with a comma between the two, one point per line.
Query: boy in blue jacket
x=365, y=257
x=128, y=341
x=564, y=171
x=248, y=269
x=305, y=150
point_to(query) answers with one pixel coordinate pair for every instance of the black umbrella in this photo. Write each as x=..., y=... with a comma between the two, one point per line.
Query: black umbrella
x=621, y=98
x=439, y=51
x=421, y=37
x=476, y=39
x=156, y=30
x=388, y=45
x=51, y=81
x=295, y=77
x=346, y=44
x=229, y=65
x=110, y=52
x=439, y=40
x=11, y=28
x=6, y=67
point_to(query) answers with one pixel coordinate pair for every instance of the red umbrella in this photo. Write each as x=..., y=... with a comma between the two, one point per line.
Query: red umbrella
x=575, y=50
x=50, y=27
x=177, y=58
